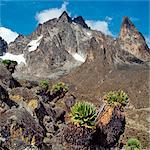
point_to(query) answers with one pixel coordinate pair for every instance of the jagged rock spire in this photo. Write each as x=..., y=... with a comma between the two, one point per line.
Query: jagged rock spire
x=80, y=20
x=65, y=17
x=127, y=22
x=133, y=41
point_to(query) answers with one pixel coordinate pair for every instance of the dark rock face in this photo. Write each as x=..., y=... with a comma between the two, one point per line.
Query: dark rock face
x=6, y=78
x=80, y=20
x=4, y=105
x=110, y=126
x=3, y=93
x=11, y=65
x=3, y=46
x=77, y=137
x=64, y=17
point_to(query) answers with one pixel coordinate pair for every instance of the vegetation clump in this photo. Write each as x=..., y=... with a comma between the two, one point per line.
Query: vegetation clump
x=8, y=62
x=133, y=144
x=44, y=84
x=83, y=114
x=60, y=86
x=116, y=97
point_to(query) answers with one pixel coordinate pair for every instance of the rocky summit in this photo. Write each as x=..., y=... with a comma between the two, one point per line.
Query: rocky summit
x=64, y=62
x=60, y=45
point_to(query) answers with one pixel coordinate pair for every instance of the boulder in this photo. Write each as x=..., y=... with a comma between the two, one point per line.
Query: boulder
x=77, y=137
x=6, y=79
x=18, y=126
x=70, y=101
x=109, y=127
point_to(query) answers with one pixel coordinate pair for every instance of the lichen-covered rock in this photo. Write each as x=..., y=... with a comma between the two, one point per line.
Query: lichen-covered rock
x=109, y=127
x=17, y=125
x=77, y=137
x=20, y=94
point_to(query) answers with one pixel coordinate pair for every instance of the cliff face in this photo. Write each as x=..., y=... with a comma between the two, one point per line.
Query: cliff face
x=60, y=45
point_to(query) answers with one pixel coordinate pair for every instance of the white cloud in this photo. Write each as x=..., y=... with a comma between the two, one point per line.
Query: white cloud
x=107, y=18
x=7, y=34
x=99, y=25
x=51, y=13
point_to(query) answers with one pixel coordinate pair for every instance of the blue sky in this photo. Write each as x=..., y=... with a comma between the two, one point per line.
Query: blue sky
x=22, y=16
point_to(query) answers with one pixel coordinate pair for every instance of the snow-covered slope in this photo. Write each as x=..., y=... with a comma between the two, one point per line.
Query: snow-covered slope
x=34, y=44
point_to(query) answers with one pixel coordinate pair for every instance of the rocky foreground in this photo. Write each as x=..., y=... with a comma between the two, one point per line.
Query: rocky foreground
x=33, y=116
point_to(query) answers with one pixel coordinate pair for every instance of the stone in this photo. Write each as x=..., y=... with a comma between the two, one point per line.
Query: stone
x=109, y=127
x=70, y=101
x=6, y=79
x=17, y=125
x=77, y=137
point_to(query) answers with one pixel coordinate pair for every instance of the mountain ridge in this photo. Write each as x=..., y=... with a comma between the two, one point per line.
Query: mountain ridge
x=60, y=45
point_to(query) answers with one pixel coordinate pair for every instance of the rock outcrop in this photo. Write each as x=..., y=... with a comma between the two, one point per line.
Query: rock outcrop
x=3, y=46
x=80, y=20
x=6, y=79
x=19, y=129
x=110, y=125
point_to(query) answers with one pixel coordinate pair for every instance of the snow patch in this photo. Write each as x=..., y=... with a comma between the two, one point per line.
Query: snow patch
x=78, y=57
x=19, y=58
x=89, y=34
x=34, y=44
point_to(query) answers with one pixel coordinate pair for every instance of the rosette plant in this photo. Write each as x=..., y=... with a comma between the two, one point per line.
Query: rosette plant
x=113, y=97
x=60, y=87
x=133, y=144
x=83, y=114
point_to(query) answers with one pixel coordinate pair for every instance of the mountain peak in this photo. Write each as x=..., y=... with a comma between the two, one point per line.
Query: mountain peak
x=133, y=41
x=126, y=22
x=80, y=20
x=65, y=17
